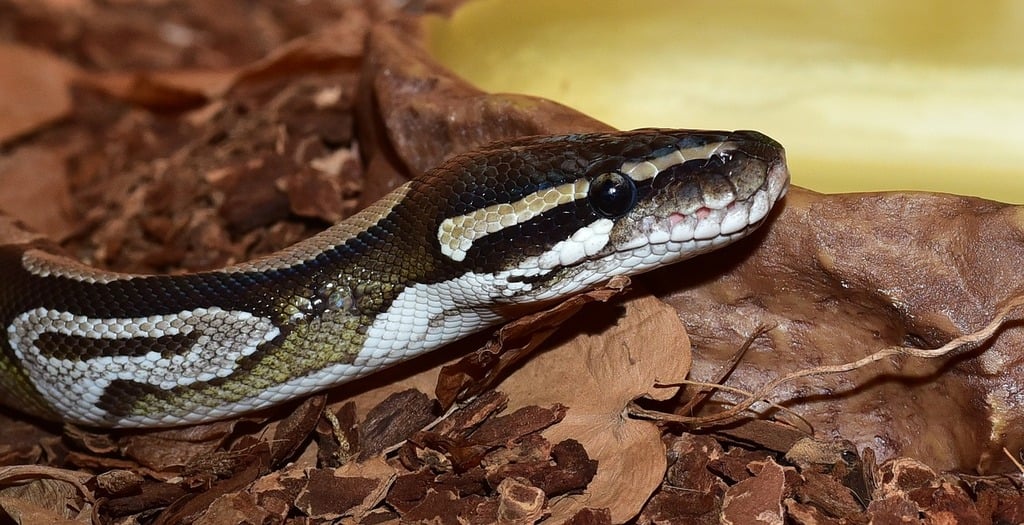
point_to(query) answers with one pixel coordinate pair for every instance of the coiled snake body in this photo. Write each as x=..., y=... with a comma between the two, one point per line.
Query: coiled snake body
x=441, y=257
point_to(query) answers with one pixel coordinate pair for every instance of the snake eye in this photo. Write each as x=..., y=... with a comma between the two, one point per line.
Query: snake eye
x=612, y=194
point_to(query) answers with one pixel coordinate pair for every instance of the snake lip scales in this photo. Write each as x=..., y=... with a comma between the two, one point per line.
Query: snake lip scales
x=443, y=256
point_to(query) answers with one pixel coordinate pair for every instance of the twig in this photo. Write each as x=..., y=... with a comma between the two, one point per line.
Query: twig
x=762, y=394
x=1014, y=459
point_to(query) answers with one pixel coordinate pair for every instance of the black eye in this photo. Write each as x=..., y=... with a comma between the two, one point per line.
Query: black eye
x=612, y=194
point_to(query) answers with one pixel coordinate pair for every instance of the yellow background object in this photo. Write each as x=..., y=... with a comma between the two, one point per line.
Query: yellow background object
x=867, y=95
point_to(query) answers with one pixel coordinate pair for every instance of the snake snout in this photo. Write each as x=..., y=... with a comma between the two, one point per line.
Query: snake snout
x=719, y=197
x=778, y=178
x=758, y=164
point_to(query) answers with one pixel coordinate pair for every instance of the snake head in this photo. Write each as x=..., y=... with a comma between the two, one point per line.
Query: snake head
x=542, y=218
x=706, y=190
x=660, y=197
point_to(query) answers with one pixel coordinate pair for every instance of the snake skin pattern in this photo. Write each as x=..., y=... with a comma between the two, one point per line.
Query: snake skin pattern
x=515, y=223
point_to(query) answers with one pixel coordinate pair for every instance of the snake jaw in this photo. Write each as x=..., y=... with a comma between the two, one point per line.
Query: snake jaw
x=699, y=205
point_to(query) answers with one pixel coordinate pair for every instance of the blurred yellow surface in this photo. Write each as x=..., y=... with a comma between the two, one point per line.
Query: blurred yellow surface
x=867, y=95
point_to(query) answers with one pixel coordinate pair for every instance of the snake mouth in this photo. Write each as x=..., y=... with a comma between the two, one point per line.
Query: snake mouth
x=734, y=218
x=707, y=205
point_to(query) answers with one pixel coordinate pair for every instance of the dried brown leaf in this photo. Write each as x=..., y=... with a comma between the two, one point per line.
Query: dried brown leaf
x=22, y=443
x=161, y=91
x=337, y=46
x=629, y=350
x=514, y=341
x=150, y=495
x=34, y=89
x=424, y=113
x=842, y=276
x=27, y=512
x=39, y=494
x=169, y=450
x=35, y=189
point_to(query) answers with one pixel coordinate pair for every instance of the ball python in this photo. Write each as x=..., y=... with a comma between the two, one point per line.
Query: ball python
x=449, y=253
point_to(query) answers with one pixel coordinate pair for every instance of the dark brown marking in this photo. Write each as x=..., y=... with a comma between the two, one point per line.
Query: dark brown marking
x=80, y=348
